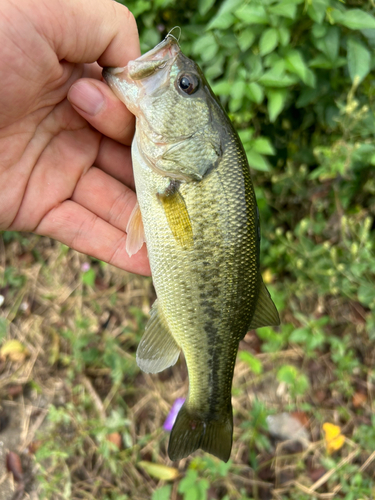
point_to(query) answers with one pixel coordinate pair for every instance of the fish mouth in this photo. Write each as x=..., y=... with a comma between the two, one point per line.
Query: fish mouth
x=146, y=65
x=166, y=49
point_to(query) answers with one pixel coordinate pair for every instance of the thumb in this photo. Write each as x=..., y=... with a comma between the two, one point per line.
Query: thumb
x=95, y=101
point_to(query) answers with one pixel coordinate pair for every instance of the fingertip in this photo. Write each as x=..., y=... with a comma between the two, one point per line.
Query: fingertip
x=95, y=102
x=127, y=28
x=87, y=97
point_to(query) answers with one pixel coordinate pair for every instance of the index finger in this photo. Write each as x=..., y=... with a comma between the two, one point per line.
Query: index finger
x=92, y=30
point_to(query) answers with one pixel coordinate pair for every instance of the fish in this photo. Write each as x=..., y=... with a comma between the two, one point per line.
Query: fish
x=198, y=215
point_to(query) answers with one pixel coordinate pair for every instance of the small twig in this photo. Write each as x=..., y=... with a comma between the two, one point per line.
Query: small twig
x=18, y=494
x=94, y=395
x=330, y=473
x=107, y=401
x=31, y=432
x=370, y=459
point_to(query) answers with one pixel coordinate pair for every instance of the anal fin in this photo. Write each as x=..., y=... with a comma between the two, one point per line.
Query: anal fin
x=265, y=311
x=135, y=232
x=158, y=349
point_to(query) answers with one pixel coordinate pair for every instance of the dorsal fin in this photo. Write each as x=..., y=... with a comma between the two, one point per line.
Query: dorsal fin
x=158, y=349
x=265, y=311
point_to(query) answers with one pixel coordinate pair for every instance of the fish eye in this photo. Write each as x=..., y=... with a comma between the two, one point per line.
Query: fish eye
x=188, y=83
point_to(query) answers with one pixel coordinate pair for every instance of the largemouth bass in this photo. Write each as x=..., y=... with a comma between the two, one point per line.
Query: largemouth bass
x=198, y=215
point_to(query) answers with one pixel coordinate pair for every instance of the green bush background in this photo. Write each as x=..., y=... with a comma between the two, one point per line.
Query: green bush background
x=297, y=79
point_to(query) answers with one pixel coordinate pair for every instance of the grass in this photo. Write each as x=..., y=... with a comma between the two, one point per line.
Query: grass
x=90, y=423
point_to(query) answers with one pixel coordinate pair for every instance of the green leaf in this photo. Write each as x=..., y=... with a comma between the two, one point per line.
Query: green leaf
x=300, y=335
x=221, y=22
x=287, y=374
x=366, y=294
x=295, y=64
x=246, y=135
x=206, y=47
x=235, y=104
x=252, y=14
x=263, y=146
x=254, y=66
x=268, y=41
x=224, y=18
x=246, y=39
x=89, y=277
x=317, y=10
x=229, y=6
x=3, y=328
x=276, y=77
x=222, y=88
x=370, y=35
x=238, y=89
x=188, y=482
x=276, y=102
x=254, y=92
x=163, y=493
x=284, y=35
x=330, y=43
x=257, y=161
x=318, y=30
x=355, y=19
x=321, y=61
x=359, y=59
x=286, y=8
x=140, y=7
x=307, y=96
x=254, y=363
x=204, y=6
x=203, y=486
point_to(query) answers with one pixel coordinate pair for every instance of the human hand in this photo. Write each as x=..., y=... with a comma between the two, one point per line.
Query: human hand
x=59, y=176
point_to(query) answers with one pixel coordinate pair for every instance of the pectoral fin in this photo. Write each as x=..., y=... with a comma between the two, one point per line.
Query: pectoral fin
x=158, y=349
x=265, y=312
x=178, y=218
x=135, y=232
x=191, y=158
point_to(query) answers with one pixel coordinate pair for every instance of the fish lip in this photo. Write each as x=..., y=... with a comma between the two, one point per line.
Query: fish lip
x=167, y=50
x=109, y=72
x=167, y=47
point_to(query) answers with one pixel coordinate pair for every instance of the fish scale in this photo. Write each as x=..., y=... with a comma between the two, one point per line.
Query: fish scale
x=200, y=223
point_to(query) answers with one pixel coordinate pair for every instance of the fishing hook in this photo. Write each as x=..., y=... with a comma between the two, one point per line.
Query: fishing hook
x=172, y=36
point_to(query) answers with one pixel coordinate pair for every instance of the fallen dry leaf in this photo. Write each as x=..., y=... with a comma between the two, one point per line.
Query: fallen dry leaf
x=316, y=474
x=159, y=471
x=333, y=438
x=302, y=417
x=359, y=399
x=14, y=390
x=115, y=438
x=34, y=446
x=14, y=351
x=13, y=464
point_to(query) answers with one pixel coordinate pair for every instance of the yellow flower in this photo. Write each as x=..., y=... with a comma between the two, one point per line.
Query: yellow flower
x=333, y=438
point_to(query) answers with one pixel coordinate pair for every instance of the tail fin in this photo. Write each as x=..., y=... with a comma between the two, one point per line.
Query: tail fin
x=191, y=432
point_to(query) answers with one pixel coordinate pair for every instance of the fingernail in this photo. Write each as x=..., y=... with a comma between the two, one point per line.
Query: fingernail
x=86, y=97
